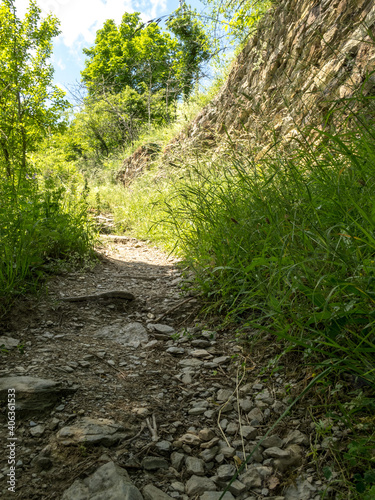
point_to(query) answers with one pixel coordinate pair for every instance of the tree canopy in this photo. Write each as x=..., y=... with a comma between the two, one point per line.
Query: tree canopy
x=143, y=56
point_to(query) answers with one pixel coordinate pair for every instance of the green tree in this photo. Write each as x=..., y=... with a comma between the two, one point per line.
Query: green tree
x=135, y=54
x=233, y=21
x=30, y=105
x=109, y=122
x=193, y=48
x=130, y=54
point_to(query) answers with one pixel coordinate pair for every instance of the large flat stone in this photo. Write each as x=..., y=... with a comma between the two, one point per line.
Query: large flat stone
x=198, y=485
x=150, y=492
x=132, y=334
x=8, y=342
x=216, y=495
x=109, y=482
x=94, y=432
x=33, y=395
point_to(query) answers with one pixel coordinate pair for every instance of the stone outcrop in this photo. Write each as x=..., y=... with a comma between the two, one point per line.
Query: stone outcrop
x=135, y=164
x=304, y=55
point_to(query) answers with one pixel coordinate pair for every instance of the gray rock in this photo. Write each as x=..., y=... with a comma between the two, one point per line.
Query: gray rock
x=37, y=430
x=221, y=360
x=246, y=404
x=246, y=389
x=109, y=482
x=177, y=486
x=248, y=432
x=194, y=466
x=251, y=478
x=150, y=492
x=190, y=439
x=198, y=485
x=272, y=441
x=275, y=452
x=228, y=451
x=154, y=463
x=225, y=472
x=296, y=437
x=94, y=432
x=232, y=428
x=278, y=407
x=209, y=334
x=256, y=456
x=8, y=343
x=206, y=434
x=201, y=353
x=175, y=351
x=303, y=490
x=255, y=417
x=163, y=446
x=197, y=410
x=190, y=363
x=34, y=395
x=224, y=395
x=132, y=334
x=209, y=454
x=41, y=463
x=216, y=495
x=293, y=460
x=166, y=329
x=202, y=343
x=264, y=471
x=237, y=488
x=210, y=444
x=177, y=460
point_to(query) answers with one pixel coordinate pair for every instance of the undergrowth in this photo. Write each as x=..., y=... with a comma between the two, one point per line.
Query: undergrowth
x=285, y=245
x=43, y=226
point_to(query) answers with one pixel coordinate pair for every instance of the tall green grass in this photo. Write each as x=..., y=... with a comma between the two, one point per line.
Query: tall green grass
x=285, y=244
x=42, y=223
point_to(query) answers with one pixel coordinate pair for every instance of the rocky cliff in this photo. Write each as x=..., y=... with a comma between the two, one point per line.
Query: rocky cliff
x=304, y=55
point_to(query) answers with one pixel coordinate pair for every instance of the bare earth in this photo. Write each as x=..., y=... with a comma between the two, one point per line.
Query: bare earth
x=156, y=383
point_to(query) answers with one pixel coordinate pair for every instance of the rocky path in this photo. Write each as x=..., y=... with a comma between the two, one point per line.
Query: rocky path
x=135, y=399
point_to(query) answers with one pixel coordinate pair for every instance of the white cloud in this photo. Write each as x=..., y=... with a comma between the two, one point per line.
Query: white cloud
x=61, y=64
x=80, y=19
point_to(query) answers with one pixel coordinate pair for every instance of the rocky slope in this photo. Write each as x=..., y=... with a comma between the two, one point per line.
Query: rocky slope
x=305, y=56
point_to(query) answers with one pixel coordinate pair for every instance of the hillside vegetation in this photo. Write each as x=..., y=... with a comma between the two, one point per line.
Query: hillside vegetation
x=280, y=246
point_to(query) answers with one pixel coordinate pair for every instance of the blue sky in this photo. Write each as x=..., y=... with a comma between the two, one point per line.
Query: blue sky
x=80, y=19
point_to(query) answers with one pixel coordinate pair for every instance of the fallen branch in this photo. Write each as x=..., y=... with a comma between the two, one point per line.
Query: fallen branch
x=153, y=428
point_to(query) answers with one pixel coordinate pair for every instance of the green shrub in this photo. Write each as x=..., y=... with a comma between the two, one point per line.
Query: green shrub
x=41, y=223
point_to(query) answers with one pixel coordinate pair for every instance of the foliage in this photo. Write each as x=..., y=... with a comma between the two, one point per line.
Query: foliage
x=45, y=224
x=128, y=55
x=284, y=245
x=43, y=218
x=143, y=56
x=29, y=104
x=230, y=23
x=193, y=48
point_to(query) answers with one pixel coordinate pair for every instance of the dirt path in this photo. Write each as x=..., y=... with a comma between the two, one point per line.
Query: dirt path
x=142, y=385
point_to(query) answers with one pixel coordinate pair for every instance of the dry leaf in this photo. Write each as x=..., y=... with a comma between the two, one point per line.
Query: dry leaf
x=273, y=482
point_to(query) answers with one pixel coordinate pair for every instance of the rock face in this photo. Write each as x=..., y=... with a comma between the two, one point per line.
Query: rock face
x=109, y=482
x=33, y=395
x=137, y=162
x=303, y=55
